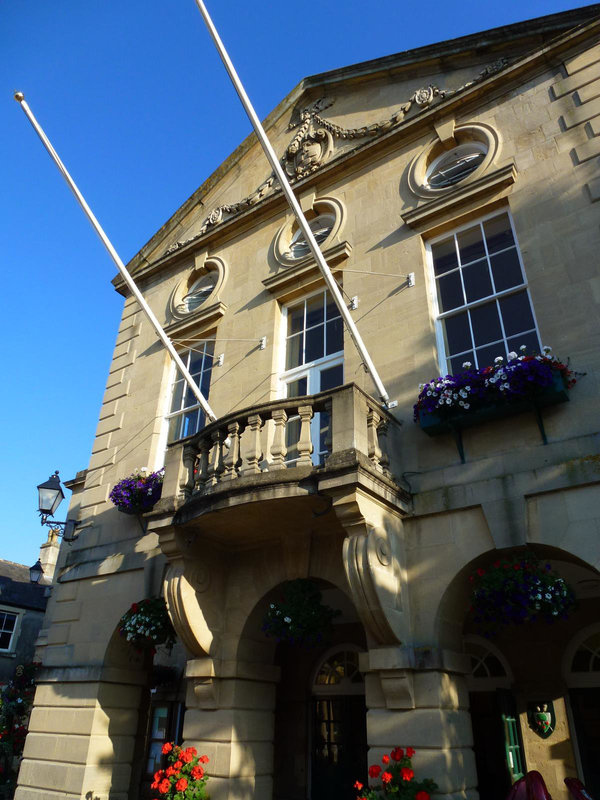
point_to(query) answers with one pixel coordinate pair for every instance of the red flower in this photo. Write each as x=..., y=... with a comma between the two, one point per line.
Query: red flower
x=181, y=785
x=385, y=760
x=471, y=578
x=164, y=786
x=517, y=566
x=481, y=572
x=158, y=776
x=170, y=771
x=167, y=747
x=178, y=765
x=407, y=774
x=134, y=607
x=397, y=753
x=374, y=771
x=197, y=773
x=410, y=751
x=386, y=777
x=358, y=786
x=422, y=796
x=204, y=759
x=187, y=756
x=496, y=564
x=192, y=750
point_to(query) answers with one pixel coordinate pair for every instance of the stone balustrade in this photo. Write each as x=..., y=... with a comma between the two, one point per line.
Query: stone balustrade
x=255, y=440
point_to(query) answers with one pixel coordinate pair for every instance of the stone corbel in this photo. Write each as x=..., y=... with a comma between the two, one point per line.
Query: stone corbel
x=398, y=689
x=202, y=683
x=372, y=562
x=445, y=131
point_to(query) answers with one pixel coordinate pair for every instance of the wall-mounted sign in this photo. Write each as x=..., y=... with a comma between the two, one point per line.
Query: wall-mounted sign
x=541, y=718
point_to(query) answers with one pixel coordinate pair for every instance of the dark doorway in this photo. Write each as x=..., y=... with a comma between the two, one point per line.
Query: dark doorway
x=585, y=704
x=339, y=746
x=497, y=742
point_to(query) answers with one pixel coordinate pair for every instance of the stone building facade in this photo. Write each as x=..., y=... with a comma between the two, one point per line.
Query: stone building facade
x=454, y=191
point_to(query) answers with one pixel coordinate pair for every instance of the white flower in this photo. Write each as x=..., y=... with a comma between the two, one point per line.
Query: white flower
x=467, y=388
x=421, y=387
x=546, y=349
x=428, y=394
x=467, y=405
x=498, y=360
x=462, y=393
x=512, y=355
x=272, y=605
x=467, y=365
x=523, y=348
x=461, y=403
x=287, y=619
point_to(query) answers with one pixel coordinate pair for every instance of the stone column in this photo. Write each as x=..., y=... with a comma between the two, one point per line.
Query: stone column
x=229, y=717
x=417, y=697
x=81, y=734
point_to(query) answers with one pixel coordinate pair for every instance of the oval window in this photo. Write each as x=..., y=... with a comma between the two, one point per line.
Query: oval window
x=455, y=165
x=199, y=292
x=320, y=226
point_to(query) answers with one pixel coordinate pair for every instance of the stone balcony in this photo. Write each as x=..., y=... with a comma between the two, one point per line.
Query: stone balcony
x=242, y=460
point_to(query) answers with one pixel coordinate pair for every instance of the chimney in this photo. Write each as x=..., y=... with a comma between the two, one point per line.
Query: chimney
x=49, y=555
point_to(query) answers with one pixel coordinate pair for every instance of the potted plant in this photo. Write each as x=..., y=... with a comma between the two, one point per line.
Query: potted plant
x=147, y=624
x=478, y=395
x=138, y=492
x=184, y=778
x=518, y=589
x=397, y=779
x=299, y=617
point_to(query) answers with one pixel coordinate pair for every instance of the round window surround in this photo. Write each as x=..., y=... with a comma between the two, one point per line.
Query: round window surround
x=194, y=291
x=325, y=219
x=440, y=167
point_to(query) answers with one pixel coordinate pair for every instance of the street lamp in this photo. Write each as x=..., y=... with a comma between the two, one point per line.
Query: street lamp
x=36, y=572
x=50, y=496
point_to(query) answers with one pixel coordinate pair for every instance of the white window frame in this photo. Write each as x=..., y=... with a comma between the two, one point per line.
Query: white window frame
x=440, y=316
x=173, y=377
x=12, y=645
x=310, y=369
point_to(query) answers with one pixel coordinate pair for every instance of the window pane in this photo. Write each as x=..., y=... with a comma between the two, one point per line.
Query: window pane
x=486, y=323
x=174, y=426
x=297, y=388
x=154, y=757
x=205, y=382
x=335, y=336
x=530, y=340
x=331, y=310
x=292, y=436
x=450, y=291
x=516, y=313
x=331, y=377
x=477, y=281
x=295, y=318
x=470, y=244
x=195, y=366
x=9, y=622
x=444, y=256
x=314, y=344
x=189, y=424
x=314, y=311
x=456, y=363
x=323, y=423
x=159, y=722
x=458, y=335
x=294, y=351
x=177, y=396
x=498, y=233
x=506, y=270
x=5, y=640
x=486, y=355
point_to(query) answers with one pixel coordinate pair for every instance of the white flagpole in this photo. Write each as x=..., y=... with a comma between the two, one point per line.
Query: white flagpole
x=295, y=206
x=20, y=98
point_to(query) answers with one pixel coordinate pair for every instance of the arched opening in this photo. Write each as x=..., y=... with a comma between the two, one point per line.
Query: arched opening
x=319, y=728
x=519, y=668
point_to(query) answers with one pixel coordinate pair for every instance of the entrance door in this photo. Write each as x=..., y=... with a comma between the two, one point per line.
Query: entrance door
x=339, y=730
x=585, y=704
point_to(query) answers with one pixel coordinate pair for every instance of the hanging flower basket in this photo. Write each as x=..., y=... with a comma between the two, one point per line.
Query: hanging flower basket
x=300, y=616
x=468, y=398
x=517, y=590
x=397, y=779
x=185, y=777
x=147, y=625
x=139, y=492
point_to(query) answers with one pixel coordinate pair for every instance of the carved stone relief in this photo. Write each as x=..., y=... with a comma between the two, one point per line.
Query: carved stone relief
x=314, y=144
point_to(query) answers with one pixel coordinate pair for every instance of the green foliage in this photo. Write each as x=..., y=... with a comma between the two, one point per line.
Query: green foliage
x=299, y=617
x=15, y=706
x=396, y=779
x=147, y=624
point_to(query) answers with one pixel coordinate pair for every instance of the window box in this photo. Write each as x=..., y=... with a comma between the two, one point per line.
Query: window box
x=435, y=425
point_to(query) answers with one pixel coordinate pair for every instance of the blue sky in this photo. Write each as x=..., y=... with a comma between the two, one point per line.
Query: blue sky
x=137, y=104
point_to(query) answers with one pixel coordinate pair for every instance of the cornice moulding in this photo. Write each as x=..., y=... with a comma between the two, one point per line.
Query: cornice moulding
x=289, y=280
x=205, y=317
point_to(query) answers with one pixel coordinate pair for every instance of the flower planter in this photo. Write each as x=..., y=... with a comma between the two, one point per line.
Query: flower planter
x=434, y=424
x=146, y=504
